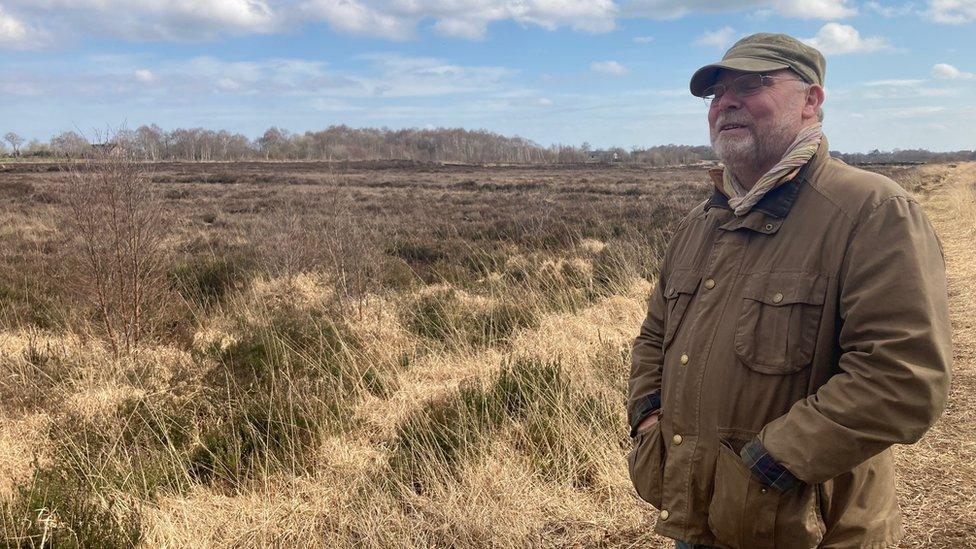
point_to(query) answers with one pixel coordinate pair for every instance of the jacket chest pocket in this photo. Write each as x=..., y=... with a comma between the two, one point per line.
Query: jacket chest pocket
x=780, y=313
x=681, y=287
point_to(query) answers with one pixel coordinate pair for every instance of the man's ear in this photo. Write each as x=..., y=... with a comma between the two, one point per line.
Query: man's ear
x=815, y=98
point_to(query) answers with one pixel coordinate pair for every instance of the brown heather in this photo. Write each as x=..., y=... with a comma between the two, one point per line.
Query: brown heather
x=370, y=354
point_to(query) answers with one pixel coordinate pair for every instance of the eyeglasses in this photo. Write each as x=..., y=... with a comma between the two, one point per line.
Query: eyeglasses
x=743, y=86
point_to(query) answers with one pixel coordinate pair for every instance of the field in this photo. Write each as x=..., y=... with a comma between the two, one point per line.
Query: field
x=383, y=354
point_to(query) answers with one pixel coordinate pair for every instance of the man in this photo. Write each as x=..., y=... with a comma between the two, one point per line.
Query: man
x=798, y=329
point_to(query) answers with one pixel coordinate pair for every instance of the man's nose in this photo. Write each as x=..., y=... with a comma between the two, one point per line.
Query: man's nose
x=727, y=100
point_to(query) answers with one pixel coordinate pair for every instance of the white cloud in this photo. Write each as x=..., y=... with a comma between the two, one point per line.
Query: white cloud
x=945, y=71
x=14, y=34
x=586, y=15
x=192, y=20
x=803, y=9
x=398, y=19
x=720, y=38
x=889, y=11
x=815, y=9
x=895, y=82
x=954, y=12
x=358, y=18
x=183, y=80
x=837, y=39
x=903, y=89
x=396, y=75
x=643, y=39
x=473, y=29
x=612, y=68
x=144, y=75
x=173, y=20
x=228, y=84
x=911, y=112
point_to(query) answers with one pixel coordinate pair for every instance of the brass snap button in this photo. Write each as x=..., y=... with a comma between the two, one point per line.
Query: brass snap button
x=677, y=440
x=684, y=359
x=769, y=226
x=777, y=297
x=665, y=514
x=709, y=283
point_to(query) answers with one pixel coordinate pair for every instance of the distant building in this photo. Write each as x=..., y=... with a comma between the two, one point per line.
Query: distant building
x=108, y=149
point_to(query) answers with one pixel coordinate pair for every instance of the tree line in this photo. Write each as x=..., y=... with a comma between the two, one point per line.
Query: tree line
x=340, y=142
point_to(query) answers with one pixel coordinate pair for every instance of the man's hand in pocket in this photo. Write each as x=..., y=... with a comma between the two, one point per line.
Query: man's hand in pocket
x=648, y=421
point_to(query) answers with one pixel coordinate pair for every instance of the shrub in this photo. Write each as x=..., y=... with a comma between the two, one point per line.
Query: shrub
x=115, y=221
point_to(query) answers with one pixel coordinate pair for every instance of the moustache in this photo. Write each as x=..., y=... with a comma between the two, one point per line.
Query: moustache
x=738, y=120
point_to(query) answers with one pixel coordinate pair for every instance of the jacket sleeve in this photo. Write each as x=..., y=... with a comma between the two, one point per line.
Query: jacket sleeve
x=647, y=359
x=895, y=346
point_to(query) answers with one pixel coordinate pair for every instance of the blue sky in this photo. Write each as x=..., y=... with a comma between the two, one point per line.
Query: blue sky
x=610, y=72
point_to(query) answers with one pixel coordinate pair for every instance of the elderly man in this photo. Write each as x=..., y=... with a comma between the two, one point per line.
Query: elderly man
x=798, y=329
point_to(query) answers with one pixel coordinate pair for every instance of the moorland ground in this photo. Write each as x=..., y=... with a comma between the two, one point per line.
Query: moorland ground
x=384, y=354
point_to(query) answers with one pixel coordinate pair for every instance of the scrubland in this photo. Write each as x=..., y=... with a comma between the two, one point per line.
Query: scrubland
x=386, y=354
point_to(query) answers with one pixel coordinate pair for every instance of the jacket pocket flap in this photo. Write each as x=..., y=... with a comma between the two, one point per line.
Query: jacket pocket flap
x=682, y=282
x=786, y=288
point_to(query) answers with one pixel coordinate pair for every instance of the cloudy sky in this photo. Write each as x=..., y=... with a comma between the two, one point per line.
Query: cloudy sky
x=610, y=72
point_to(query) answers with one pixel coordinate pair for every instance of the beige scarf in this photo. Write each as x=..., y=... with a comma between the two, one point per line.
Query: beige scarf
x=799, y=153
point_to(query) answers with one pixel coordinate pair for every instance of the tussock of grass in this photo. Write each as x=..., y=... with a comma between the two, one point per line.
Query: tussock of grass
x=206, y=281
x=535, y=399
x=450, y=316
x=66, y=508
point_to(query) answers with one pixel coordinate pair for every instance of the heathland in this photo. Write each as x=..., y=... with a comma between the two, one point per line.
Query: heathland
x=387, y=354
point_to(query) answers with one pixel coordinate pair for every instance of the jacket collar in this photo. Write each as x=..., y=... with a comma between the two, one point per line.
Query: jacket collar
x=777, y=202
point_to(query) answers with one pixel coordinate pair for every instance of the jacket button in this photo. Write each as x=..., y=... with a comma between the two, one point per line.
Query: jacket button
x=709, y=283
x=677, y=439
x=777, y=297
x=684, y=359
x=762, y=490
x=665, y=514
x=769, y=226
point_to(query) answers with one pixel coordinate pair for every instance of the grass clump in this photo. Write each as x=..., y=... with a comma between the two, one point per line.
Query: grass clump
x=279, y=389
x=66, y=507
x=533, y=399
x=273, y=432
x=206, y=280
x=444, y=315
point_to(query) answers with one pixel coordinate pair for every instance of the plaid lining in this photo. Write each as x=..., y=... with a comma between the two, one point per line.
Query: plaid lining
x=765, y=468
x=650, y=403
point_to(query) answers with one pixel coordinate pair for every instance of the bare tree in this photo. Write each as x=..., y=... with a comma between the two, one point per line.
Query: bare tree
x=70, y=144
x=15, y=141
x=115, y=220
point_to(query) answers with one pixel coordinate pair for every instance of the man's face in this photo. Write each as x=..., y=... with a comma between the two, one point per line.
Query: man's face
x=756, y=130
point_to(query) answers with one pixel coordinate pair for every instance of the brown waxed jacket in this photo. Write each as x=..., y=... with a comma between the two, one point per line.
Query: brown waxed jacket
x=818, y=322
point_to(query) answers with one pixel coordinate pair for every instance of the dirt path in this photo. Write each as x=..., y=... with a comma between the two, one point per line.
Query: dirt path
x=938, y=475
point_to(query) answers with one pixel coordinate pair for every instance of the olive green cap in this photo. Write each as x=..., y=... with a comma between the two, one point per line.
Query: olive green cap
x=764, y=52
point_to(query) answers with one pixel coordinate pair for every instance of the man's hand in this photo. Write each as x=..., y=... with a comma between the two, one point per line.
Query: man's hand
x=648, y=421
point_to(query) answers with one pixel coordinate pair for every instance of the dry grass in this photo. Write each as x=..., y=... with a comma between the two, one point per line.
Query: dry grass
x=449, y=373
x=938, y=474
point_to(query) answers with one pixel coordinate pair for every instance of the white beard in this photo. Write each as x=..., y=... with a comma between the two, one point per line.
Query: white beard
x=755, y=149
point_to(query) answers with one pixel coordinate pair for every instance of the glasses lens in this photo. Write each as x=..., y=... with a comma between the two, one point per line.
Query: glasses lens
x=747, y=84
x=713, y=92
